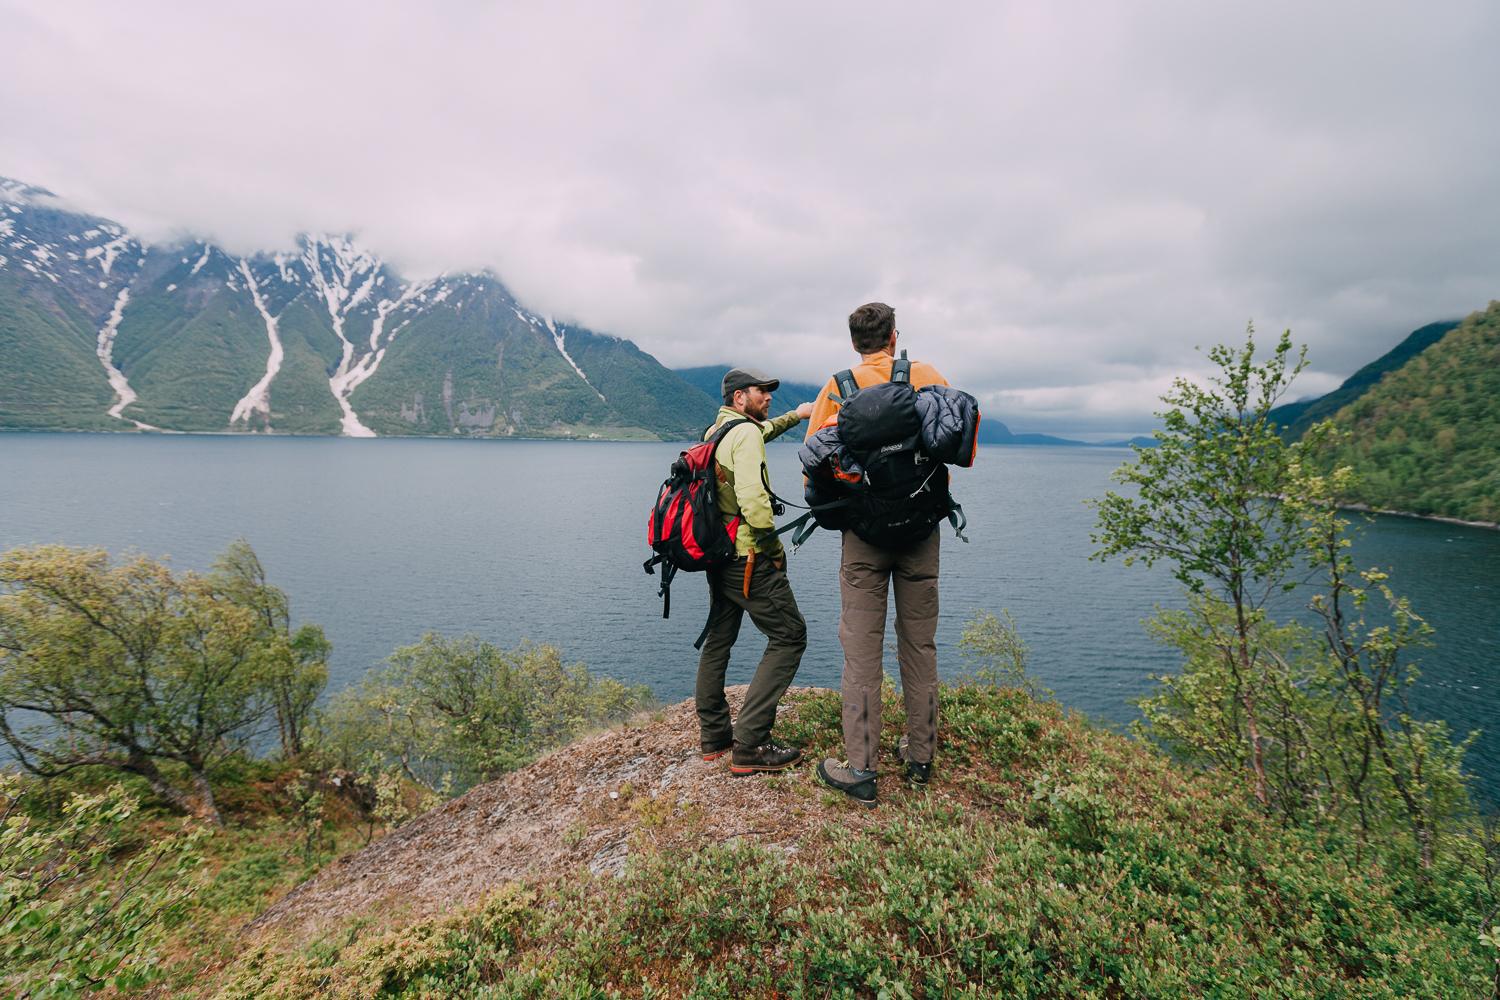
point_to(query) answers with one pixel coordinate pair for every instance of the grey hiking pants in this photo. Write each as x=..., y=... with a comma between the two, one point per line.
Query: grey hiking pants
x=866, y=574
x=774, y=611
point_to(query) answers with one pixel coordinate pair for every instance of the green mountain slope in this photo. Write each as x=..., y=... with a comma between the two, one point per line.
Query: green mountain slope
x=641, y=391
x=1426, y=438
x=302, y=403
x=50, y=378
x=190, y=344
x=477, y=368
x=1296, y=418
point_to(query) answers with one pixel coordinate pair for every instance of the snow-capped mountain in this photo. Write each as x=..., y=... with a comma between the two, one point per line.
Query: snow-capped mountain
x=100, y=331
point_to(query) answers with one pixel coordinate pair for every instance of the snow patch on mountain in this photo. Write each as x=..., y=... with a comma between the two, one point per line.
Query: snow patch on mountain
x=258, y=399
x=288, y=275
x=41, y=251
x=202, y=260
x=562, y=348
x=344, y=383
x=108, y=252
x=348, y=281
x=124, y=394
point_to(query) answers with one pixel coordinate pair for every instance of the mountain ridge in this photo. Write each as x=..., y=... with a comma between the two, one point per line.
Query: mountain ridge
x=101, y=331
x=1296, y=417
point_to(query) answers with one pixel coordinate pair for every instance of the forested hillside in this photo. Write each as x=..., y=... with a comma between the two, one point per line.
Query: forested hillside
x=1295, y=418
x=1426, y=438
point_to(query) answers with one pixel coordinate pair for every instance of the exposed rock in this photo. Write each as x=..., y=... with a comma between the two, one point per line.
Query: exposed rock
x=415, y=413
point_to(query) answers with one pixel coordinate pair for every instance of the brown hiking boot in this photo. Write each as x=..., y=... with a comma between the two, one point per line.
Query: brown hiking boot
x=766, y=757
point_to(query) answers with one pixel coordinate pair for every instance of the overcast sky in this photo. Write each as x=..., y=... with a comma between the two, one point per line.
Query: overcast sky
x=1060, y=200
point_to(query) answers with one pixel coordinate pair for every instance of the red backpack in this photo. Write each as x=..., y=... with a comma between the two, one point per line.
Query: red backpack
x=685, y=529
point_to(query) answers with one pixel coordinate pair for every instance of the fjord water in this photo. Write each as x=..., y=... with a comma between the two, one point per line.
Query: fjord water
x=382, y=540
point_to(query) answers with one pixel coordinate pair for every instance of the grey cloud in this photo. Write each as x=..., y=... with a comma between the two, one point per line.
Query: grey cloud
x=1060, y=199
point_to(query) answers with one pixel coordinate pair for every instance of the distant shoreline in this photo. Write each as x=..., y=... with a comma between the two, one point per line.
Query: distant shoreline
x=1365, y=508
x=166, y=432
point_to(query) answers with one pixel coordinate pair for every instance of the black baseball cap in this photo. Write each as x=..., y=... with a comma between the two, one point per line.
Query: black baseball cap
x=744, y=378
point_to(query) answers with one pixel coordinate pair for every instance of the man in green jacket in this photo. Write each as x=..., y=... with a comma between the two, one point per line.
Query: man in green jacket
x=755, y=581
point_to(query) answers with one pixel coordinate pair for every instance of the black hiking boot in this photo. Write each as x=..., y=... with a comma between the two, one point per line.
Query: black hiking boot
x=766, y=757
x=858, y=785
x=916, y=773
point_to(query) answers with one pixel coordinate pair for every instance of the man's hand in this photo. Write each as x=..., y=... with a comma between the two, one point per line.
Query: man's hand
x=804, y=411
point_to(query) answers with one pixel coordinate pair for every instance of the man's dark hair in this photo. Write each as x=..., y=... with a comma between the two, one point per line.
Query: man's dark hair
x=870, y=326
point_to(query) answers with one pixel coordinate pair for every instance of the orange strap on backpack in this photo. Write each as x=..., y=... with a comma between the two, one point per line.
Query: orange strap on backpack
x=749, y=569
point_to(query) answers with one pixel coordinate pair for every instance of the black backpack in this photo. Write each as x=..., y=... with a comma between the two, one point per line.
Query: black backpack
x=879, y=481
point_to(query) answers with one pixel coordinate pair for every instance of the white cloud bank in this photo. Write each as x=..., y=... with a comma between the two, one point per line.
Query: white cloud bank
x=1060, y=199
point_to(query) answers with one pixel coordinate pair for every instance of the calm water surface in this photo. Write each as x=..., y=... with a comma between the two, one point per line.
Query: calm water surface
x=380, y=541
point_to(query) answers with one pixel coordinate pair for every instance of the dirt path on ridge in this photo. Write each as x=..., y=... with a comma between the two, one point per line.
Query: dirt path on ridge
x=580, y=807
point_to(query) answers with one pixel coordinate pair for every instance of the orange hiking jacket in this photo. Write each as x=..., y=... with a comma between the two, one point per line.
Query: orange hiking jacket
x=872, y=369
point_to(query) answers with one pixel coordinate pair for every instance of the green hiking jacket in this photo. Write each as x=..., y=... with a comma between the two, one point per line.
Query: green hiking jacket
x=741, y=461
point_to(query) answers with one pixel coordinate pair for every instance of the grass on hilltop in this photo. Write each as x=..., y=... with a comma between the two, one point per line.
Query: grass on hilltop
x=1048, y=859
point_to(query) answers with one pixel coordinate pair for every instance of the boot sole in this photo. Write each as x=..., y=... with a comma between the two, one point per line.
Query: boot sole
x=744, y=769
x=867, y=803
x=709, y=758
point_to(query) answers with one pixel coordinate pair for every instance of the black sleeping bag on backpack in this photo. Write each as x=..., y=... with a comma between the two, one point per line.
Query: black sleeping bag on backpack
x=880, y=470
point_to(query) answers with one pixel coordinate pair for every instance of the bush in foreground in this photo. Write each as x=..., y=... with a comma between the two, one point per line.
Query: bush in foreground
x=83, y=901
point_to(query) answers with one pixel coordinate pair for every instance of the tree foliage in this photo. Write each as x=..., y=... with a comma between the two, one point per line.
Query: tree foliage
x=1203, y=503
x=134, y=668
x=1390, y=766
x=993, y=651
x=447, y=713
x=1316, y=716
x=82, y=901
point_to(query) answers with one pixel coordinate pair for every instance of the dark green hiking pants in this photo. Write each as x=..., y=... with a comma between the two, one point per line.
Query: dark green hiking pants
x=774, y=611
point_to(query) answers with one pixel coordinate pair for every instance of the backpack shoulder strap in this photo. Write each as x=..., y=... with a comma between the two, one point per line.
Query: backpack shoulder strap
x=723, y=432
x=846, y=384
x=901, y=369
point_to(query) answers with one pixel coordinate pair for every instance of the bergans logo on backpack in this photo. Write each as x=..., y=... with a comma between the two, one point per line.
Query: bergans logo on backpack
x=880, y=469
x=685, y=528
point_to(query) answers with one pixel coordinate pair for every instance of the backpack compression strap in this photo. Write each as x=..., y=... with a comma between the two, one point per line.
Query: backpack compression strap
x=846, y=384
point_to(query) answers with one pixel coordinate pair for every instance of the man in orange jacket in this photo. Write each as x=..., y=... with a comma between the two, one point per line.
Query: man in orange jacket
x=866, y=574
